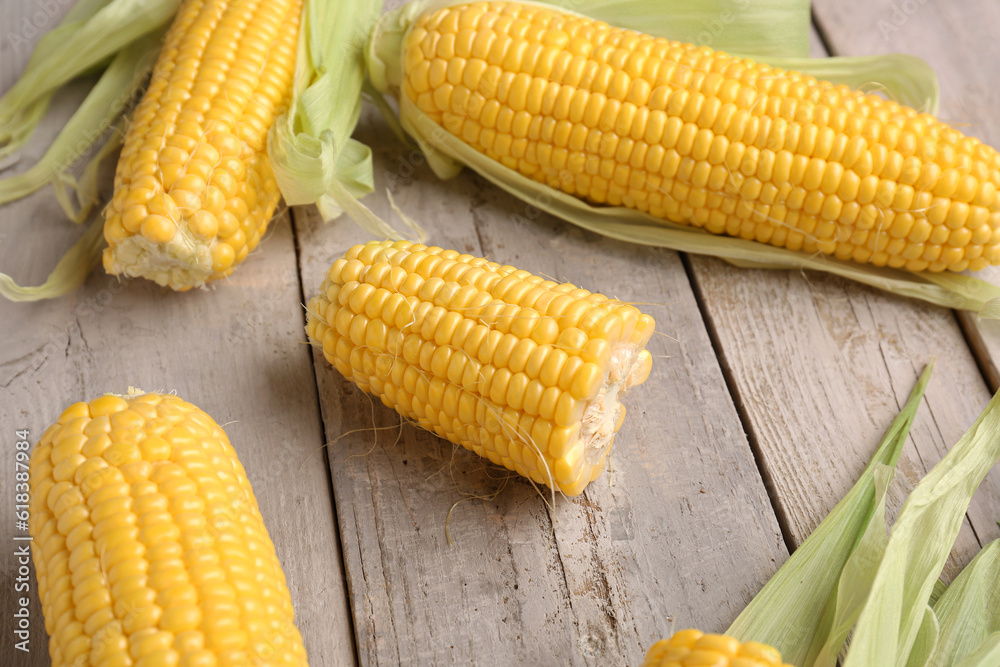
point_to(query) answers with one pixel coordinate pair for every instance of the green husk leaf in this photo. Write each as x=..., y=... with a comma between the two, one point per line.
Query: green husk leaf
x=849, y=596
x=939, y=588
x=85, y=189
x=18, y=118
x=986, y=655
x=71, y=50
x=926, y=640
x=71, y=271
x=969, y=611
x=99, y=111
x=797, y=610
x=919, y=544
x=310, y=147
x=762, y=28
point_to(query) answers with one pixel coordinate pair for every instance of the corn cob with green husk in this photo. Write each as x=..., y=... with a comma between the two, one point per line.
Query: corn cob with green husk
x=541, y=99
x=199, y=175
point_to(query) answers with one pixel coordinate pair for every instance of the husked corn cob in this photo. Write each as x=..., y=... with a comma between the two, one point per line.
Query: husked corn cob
x=521, y=370
x=194, y=190
x=693, y=648
x=701, y=137
x=148, y=543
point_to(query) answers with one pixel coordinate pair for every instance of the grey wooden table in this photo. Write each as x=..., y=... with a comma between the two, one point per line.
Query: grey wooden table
x=769, y=392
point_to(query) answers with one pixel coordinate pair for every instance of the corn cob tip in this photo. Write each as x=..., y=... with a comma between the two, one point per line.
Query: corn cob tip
x=148, y=544
x=694, y=648
x=523, y=371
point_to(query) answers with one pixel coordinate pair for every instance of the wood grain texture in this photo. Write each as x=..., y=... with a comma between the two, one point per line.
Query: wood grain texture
x=682, y=534
x=820, y=367
x=236, y=350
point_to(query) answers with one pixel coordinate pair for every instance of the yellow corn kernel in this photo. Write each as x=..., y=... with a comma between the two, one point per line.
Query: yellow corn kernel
x=525, y=372
x=148, y=544
x=716, y=145
x=693, y=648
x=194, y=166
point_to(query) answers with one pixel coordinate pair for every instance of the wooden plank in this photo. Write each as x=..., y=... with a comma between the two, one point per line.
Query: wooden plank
x=236, y=350
x=681, y=535
x=820, y=366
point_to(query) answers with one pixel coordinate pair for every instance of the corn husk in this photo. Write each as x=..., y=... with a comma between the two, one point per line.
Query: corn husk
x=119, y=85
x=987, y=655
x=89, y=35
x=849, y=576
x=315, y=161
x=71, y=271
x=969, y=611
x=892, y=622
x=808, y=607
x=905, y=78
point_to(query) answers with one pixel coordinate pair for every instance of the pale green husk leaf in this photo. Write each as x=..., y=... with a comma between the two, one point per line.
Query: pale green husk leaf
x=310, y=147
x=925, y=641
x=763, y=28
x=904, y=78
x=919, y=544
x=849, y=596
x=803, y=608
x=969, y=611
x=939, y=588
x=75, y=47
x=987, y=655
x=71, y=271
x=118, y=86
x=79, y=196
x=19, y=115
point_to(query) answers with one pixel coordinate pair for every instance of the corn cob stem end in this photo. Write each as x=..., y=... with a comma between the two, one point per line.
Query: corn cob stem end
x=604, y=414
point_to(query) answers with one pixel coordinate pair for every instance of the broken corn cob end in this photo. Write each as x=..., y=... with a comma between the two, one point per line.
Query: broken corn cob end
x=148, y=544
x=693, y=648
x=523, y=371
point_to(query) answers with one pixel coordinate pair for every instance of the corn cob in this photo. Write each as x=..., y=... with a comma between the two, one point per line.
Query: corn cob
x=693, y=648
x=521, y=370
x=194, y=190
x=699, y=137
x=148, y=544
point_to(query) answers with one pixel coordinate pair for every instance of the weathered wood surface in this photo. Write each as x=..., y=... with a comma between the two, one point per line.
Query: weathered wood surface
x=237, y=351
x=588, y=581
x=769, y=392
x=820, y=366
